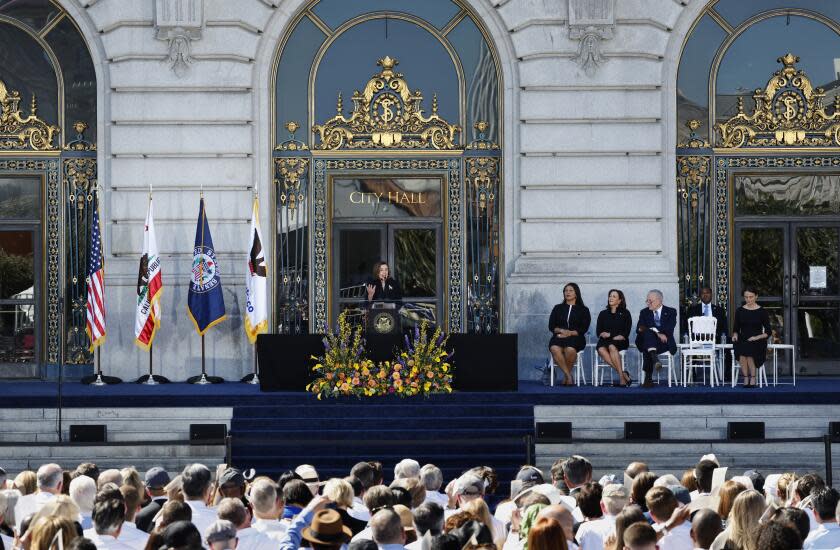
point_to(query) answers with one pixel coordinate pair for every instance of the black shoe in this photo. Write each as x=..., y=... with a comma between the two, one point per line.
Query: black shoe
x=648, y=384
x=629, y=379
x=654, y=360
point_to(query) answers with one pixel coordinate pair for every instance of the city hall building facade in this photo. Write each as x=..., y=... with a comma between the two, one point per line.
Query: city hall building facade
x=489, y=151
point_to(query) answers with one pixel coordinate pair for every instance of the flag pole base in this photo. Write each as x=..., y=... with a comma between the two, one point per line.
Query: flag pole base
x=100, y=380
x=203, y=379
x=152, y=380
x=251, y=379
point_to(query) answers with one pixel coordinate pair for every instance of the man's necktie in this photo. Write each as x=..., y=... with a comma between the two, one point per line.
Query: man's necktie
x=656, y=317
x=706, y=311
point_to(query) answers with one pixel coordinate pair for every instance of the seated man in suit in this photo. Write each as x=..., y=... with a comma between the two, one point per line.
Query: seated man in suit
x=655, y=333
x=707, y=309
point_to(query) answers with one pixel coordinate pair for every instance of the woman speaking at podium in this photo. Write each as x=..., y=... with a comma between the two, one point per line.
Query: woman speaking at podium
x=383, y=288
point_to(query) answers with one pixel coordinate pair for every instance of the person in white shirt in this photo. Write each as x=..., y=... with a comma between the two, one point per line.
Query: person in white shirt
x=130, y=534
x=50, y=479
x=432, y=479
x=592, y=534
x=526, y=477
x=369, y=477
x=83, y=493
x=267, y=503
x=661, y=503
x=108, y=518
x=428, y=518
x=235, y=512
x=706, y=525
x=387, y=530
x=577, y=472
x=827, y=534
x=197, y=486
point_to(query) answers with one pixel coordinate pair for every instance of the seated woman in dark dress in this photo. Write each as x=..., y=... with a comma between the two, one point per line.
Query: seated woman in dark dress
x=568, y=324
x=613, y=330
x=383, y=288
x=750, y=334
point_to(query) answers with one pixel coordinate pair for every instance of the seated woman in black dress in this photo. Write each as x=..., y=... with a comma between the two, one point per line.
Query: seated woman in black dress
x=568, y=324
x=613, y=330
x=383, y=288
x=750, y=334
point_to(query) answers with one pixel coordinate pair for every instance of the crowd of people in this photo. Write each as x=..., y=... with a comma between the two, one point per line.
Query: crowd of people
x=89, y=509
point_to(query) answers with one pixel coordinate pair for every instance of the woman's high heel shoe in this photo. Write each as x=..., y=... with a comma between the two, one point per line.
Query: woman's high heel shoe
x=629, y=379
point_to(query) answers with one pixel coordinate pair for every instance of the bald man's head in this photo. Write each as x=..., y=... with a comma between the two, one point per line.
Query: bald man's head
x=562, y=515
x=706, y=525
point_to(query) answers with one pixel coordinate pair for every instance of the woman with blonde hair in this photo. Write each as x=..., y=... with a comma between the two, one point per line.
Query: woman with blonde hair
x=479, y=508
x=173, y=490
x=61, y=506
x=26, y=482
x=741, y=531
x=547, y=534
x=44, y=533
x=728, y=491
x=340, y=492
x=131, y=477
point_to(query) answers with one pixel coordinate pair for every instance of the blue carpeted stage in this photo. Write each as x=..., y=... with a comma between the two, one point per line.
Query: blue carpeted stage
x=817, y=391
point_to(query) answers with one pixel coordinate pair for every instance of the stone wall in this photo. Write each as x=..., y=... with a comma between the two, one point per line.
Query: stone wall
x=588, y=158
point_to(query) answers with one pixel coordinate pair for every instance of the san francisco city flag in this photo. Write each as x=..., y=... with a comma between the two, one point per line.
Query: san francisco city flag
x=149, y=287
x=205, y=302
x=256, y=306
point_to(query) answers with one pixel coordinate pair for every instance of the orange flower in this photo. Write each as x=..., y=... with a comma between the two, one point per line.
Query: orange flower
x=328, y=376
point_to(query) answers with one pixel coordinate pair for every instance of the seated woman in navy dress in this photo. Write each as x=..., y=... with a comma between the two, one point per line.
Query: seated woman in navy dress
x=568, y=324
x=613, y=330
x=750, y=334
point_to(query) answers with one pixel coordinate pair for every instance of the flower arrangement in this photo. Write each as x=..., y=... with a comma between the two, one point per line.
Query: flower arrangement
x=422, y=368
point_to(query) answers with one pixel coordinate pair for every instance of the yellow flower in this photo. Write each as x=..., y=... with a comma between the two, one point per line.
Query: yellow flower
x=427, y=386
x=319, y=396
x=356, y=366
x=445, y=367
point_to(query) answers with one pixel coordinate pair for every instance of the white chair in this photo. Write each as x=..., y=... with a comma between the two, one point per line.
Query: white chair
x=760, y=372
x=599, y=366
x=701, y=351
x=577, y=370
x=667, y=361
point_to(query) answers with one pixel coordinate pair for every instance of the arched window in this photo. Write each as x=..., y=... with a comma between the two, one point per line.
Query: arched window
x=47, y=186
x=399, y=99
x=758, y=110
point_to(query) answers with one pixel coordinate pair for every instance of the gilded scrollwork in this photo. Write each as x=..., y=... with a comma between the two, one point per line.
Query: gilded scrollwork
x=23, y=133
x=387, y=115
x=788, y=113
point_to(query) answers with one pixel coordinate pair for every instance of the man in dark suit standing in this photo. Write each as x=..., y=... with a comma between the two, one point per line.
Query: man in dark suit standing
x=655, y=333
x=707, y=309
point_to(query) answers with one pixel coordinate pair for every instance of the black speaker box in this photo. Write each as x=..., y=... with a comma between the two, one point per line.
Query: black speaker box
x=284, y=360
x=642, y=430
x=88, y=433
x=200, y=434
x=484, y=362
x=834, y=429
x=745, y=430
x=554, y=430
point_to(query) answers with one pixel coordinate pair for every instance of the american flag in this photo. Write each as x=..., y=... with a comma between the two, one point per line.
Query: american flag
x=95, y=287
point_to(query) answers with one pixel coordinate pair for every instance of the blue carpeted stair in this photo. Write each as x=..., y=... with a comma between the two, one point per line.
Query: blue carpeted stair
x=335, y=435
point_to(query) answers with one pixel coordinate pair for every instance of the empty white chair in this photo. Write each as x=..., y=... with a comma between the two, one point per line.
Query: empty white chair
x=701, y=351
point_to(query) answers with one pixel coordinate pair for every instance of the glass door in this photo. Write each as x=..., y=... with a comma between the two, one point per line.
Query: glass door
x=413, y=253
x=19, y=295
x=795, y=267
x=815, y=295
